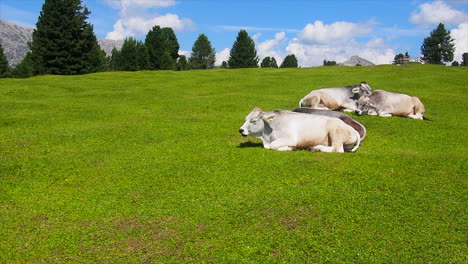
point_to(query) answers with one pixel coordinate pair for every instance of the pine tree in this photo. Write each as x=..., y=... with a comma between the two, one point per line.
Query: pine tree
x=23, y=69
x=266, y=62
x=182, y=64
x=289, y=62
x=63, y=42
x=3, y=63
x=464, y=59
x=243, y=53
x=171, y=44
x=438, y=47
x=128, y=54
x=269, y=62
x=273, y=63
x=167, y=62
x=203, y=55
x=160, y=41
x=142, y=56
x=133, y=56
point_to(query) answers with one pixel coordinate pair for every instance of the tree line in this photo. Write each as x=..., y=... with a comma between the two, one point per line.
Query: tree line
x=63, y=42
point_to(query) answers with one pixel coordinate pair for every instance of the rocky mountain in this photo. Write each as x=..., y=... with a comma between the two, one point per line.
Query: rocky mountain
x=14, y=40
x=355, y=60
x=108, y=44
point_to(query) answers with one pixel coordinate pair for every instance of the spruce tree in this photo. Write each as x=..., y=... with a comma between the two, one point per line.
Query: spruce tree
x=289, y=62
x=203, y=55
x=273, y=63
x=171, y=44
x=269, y=62
x=23, y=69
x=167, y=62
x=266, y=62
x=142, y=56
x=438, y=47
x=243, y=53
x=63, y=42
x=3, y=63
x=133, y=56
x=160, y=41
x=182, y=64
x=464, y=59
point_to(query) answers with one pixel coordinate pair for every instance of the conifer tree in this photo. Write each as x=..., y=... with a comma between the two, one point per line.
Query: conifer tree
x=203, y=55
x=3, y=63
x=23, y=69
x=289, y=62
x=273, y=63
x=182, y=64
x=269, y=62
x=171, y=44
x=160, y=41
x=464, y=59
x=167, y=63
x=133, y=56
x=266, y=62
x=243, y=53
x=63, y=42
x=438, y=47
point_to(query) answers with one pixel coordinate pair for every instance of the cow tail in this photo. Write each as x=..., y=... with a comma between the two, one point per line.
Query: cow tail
x=358, y=142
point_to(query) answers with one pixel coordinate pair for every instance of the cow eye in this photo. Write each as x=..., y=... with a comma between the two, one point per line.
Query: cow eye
x=253, y=121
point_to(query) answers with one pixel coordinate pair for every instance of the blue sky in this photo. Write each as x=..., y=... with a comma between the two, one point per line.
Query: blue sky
x=312, y=30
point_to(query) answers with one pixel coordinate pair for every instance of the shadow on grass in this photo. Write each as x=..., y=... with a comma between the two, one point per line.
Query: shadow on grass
x=249, y=144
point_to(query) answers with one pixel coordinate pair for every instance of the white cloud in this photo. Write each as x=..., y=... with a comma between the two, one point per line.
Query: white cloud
x=271, y=48
x=186, y=53
x=437, y=12
x=222, y=56
x=336, y=42
x=136, y=21
x=320, y=33
x=125, y=4
x=460, y=36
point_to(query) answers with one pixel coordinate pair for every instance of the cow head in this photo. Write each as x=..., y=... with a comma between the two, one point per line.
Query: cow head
x=362, y=89
x=362, y=105
x=255, y=123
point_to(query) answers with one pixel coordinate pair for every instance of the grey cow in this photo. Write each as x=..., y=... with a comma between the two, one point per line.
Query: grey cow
x=336, y=98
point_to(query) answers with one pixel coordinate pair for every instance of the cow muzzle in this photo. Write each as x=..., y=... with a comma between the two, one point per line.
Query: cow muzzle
x=243, y=132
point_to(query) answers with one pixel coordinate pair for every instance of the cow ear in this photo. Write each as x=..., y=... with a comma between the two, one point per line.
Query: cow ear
x=356, y=90
x=269, y=117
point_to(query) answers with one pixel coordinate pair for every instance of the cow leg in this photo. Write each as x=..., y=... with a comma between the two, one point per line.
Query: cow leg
x=383, y=114
x=282, y=145
x=416, y=116
x=323, y=148
x=347, y=107
x=336, y=139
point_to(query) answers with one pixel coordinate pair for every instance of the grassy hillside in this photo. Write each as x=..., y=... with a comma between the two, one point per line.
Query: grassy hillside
x=149, y=167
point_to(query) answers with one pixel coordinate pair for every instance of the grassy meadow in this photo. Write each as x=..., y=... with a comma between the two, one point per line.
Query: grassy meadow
x=149, y=167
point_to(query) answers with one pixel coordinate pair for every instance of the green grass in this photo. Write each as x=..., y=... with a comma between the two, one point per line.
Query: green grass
x=149, y=167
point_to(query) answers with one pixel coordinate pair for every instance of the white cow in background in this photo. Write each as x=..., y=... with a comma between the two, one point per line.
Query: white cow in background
x=383, y=103
x=336, y=98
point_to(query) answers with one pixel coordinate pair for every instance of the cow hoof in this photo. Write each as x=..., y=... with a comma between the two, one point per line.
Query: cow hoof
x=312, y=149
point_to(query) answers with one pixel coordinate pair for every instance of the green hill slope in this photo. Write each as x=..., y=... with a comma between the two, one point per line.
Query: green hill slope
x=150, y=167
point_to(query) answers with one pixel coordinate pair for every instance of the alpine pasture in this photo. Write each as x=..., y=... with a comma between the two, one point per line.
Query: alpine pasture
x=149, y=167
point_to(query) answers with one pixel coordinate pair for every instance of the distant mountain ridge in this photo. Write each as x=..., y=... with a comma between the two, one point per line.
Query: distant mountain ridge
x=355, y=60
x=14, y=40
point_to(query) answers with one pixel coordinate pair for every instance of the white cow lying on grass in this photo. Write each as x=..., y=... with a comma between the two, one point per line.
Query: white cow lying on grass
x=336, y=98
x=383, y=103
x=286, y=130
